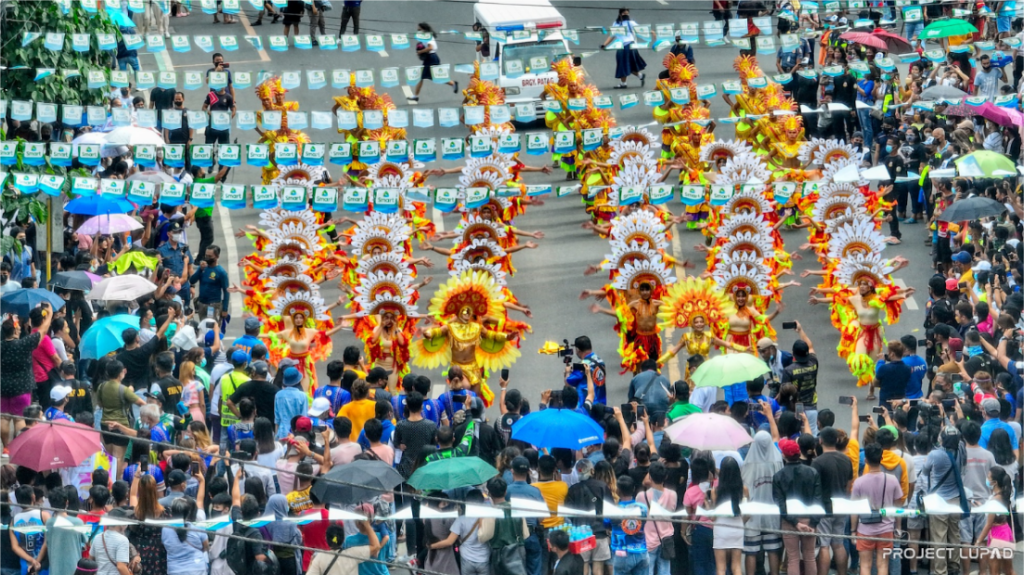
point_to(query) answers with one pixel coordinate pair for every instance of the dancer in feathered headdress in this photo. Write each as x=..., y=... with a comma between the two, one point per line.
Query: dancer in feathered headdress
x=463, y=308
x=386, y=317
x=697, y=304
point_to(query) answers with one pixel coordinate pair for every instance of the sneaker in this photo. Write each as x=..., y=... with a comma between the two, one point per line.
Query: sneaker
x=413, y=98
x=621, y=87
x=456, y=90
x=275, y=19
x=643, y=79
x=910, y=221
x=315, y=43
x=258, y=23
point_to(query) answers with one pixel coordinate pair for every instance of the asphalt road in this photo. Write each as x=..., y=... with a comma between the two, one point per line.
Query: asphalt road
x=550, y=278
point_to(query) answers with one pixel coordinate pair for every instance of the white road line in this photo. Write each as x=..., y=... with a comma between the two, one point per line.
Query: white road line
x=163, y=61
x=249, y=31
x=232, y=249
x=911, y=304
x=407, y=90
x=383, y=53
x=438, y=218
x=662, y=2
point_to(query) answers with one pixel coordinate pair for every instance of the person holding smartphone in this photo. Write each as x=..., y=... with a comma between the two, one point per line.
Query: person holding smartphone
x=892, y=375
x=803, y=373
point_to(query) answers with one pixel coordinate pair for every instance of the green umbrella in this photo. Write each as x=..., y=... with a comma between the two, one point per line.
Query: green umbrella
x=985, y=164
x=452, y=473
x=947, y=28
x=723, y=370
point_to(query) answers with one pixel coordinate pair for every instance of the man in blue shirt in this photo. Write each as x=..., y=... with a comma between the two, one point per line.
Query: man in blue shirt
x=213, y=286
x=173, y=254
x=577, y=379
x=58, y=400
x=289, y=402
x=454, y=400
x=250, y=339
x=628, y=540
x=991, y=409
x=336, y=395
x=754, y=396
x=917, y=366
x=22, y=264
x=520, y=489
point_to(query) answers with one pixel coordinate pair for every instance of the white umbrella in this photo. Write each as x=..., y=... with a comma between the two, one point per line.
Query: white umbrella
x=709, y=431
x=152, y=176
x=113, y=151
x=122, y=288
x=134, y=136
x=88, y=138
x=109, y=224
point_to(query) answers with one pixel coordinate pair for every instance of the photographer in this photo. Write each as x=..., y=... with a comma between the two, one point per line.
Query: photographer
x=575, y=376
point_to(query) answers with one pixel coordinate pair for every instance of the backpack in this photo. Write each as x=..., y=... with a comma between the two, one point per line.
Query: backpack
x=154, y=238
x=237, y=554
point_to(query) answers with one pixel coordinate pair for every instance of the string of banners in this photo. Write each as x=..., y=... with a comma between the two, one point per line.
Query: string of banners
x=933, y=504
x=355, y=199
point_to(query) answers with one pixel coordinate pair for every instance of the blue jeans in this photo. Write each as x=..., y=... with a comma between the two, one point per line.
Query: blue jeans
x=913, y=29
x=812, y=420
x=532, y=547
x=702, y=554
x=123, y=63
x=631, y=564
x=658, y=566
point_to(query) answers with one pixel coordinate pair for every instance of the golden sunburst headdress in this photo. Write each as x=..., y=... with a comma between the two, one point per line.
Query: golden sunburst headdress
x=484, y=249
x=655, y=272
x=746, y=241
x=858, y=236
x=727, y=149
x=747, y=202
x=475, y=290
x=742, y=169
x=749, y=222
x=270, y=88
x=276, y=217
x=860, y=267
x=640, y=226
x=310, y=304
x=623, y=253
x=366, y=239
x=752, y=278
x=474, y=227
x=387, y=262
x=833, y=206
x=693, y=298
x=285, y=267
x=461, y=266
x=296, y=232
x=377, y=283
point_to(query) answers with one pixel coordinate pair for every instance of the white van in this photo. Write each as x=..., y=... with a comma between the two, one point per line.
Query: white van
x=538, y=17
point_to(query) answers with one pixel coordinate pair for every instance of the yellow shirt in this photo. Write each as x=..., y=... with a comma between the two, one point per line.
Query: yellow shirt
x=853, y=452
x=358, y=412
x=554, y=493
x=968, y=278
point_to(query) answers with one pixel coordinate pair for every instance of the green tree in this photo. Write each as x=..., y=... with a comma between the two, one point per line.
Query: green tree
x=20, y=16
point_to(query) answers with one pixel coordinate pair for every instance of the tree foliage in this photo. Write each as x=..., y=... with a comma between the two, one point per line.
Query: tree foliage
x=20, y=16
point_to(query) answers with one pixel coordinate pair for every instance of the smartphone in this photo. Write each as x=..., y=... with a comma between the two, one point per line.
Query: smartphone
x=963, y=285
x=641, y=410
x=195, y=467
x=959, y=356
x=504, y=374
x=577, y=367
x=799, y=408
x=209, y=311
x=956, y=378
x=845, y=400
x=144, y=463
x=789, y=325
x=627, y=413
x=913, y=402
x=879, y=410
x=864, y=418
x=922, y=343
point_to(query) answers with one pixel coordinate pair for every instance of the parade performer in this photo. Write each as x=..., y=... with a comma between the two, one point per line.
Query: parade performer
x=463, y=308
x=699, y=305
x=360, y=101
x=386, y=321
x=272, y=97
x=301, y=339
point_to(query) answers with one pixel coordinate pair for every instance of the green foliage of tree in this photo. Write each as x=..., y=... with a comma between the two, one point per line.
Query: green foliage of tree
x=20, y=16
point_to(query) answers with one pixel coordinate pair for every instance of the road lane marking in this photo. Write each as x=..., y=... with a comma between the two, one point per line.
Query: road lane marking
x=383, y=53
x=249, y=31
x=911, y=304
x=231, y=243
x=407, y=91
x=662, y=2
x=438, y=218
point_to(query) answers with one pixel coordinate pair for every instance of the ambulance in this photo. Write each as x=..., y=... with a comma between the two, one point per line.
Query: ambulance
x=536, y=25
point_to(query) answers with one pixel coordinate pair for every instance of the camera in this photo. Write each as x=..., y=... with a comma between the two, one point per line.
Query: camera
x=566, y=352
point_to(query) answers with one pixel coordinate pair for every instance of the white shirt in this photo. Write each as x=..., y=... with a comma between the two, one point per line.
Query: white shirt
x=628, y=37
x=704, y=397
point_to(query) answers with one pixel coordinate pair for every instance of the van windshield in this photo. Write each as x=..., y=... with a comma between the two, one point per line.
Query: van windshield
x=552, y=50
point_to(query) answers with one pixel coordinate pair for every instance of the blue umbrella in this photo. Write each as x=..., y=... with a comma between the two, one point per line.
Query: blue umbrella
x=104, y=336
x=558, y=428
x=96, y=205
x=22, y=301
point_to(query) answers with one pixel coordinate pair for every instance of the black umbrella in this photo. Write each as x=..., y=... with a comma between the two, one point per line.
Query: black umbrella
x=356, y=482
x=74, y=280
x=972, y=209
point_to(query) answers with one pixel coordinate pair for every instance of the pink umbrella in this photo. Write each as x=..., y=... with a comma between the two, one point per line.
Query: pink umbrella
x=95, y=278
x=109, y=224
x=47, y=446
x=709, y=431
x=990, y=111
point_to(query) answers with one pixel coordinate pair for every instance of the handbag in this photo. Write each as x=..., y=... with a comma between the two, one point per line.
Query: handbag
x=510, y=559
x=134, y=559
x=876, y=515
x=667, y=548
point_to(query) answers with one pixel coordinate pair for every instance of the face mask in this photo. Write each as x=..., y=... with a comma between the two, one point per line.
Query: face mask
x=211, y=261
x=988, y=484
x=202, y=363
x=176, y=237
x=886, y=76
x=973, y=350
x=888, y=149
x=179, y=104
x=911, y=138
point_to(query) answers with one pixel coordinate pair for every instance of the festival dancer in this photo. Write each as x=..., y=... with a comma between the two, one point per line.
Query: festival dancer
x=697, y=304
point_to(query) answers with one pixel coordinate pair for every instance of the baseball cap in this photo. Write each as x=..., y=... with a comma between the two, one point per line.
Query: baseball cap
x=892, y=429
x=176, y=477
x=252, y=323
x=520, y=465
x=292, y=377
x=321, y=405
x=59, y=392
x=990, y=406
x=982, y=266
x=962, y=257
x=239, y=356
x=789, y=448
x=765, y=343
x=952, y=284
x=303, y=425
x=857, y=135
x=259, y=368
x=174, y=226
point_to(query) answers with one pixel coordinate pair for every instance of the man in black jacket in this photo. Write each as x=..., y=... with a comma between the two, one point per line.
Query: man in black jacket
x=565, y=563
x=487, y=443
x=802, y=483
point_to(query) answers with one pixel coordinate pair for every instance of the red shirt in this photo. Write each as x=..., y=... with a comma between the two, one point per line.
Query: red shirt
x=314, y=535
x=42, y=358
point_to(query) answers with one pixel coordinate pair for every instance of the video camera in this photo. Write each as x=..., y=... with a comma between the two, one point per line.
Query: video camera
x=567, y=352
